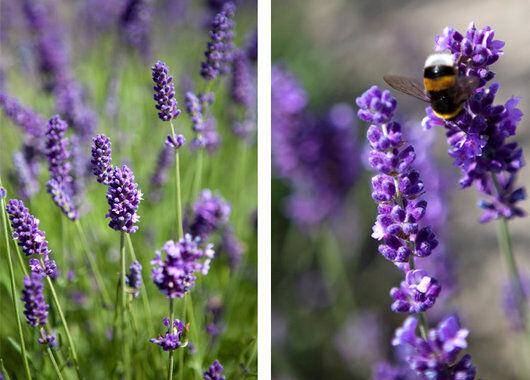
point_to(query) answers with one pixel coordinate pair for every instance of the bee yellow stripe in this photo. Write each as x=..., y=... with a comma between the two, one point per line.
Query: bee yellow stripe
x=448, y=116
x=439, y=84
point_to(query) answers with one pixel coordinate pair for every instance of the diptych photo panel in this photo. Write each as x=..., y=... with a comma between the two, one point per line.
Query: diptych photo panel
x=264, y=189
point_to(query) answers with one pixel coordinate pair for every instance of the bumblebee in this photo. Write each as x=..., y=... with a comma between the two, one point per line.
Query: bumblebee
x=443, y=87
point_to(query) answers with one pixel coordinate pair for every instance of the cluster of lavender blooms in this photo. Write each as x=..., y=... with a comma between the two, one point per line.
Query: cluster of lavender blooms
x=164, y=92
x=134, y=278
x=174, y=275
x=233, y=248
x=437, y=356
x=478, y=135
x=219, y=51
x=398, y=188
x=26, y=162
x=60, y=185
x=205, y=128
x=123, y=194
x=318, y=157
x=136, y=24
x=511, y=300
x=35, y=306
x=173, y=338
x=214, y=372
x=240, y=89
x=32, y=240
x=210, y=211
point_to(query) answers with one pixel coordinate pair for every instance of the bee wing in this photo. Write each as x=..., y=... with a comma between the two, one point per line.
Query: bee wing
x=409, y=86
x=465, y=87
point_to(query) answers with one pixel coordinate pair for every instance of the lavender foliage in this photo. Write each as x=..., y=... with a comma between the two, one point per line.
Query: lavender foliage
x=478, y=135
x=174, y=275
x=219, y=50
x=173, y=337
x=123, y=196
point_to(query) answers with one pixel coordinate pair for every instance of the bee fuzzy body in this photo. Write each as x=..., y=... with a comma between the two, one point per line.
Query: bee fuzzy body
x=440, y=78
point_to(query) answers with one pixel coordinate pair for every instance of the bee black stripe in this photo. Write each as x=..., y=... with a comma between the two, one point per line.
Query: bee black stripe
x=437, y=71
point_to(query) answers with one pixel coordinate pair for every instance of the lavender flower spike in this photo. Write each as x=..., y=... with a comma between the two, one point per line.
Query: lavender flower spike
x=214, y=372
x=26, y=229
x=164, y=92
x=57, y=149
x=174, y=275
x=101, y=158
x=211, y=211
x=134, y=278
x=398, y=189
x=123, y=196
x=219, y=49
x=436, y=357
x=173, y=338
x=36, y=309
x=62, y=198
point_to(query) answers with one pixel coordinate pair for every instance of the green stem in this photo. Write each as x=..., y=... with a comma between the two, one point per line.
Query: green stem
x=122, y=299
x=181, y=351
x=195, y=328
x=93, y=264
x=143, y=291
x=505, y=243
x=177, y=175
x=63, y=238
x=19, y=255
x=170, y=368
x=198, y=172
x=4, y=371
x=423, y=326
x=14, y=290
x=65, y=324
x=249, y=361
x=54, y=363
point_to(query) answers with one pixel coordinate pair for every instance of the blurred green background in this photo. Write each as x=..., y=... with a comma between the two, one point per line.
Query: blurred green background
x=331, y=308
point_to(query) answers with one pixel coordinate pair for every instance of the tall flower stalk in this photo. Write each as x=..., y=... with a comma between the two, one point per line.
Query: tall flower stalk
x=12, y=283
x=398, y=189
x=477, y=139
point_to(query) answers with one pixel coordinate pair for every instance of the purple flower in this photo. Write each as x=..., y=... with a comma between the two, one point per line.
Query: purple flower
x=173, y=337
x=123, y=196
x=36, y=308
x=194, y=107
x=436, y=357
x=397, y=190
x=385, y=371
x=57, y=152
x=209, y=138
x=252, y=46
x=164, y=92
x=160, y=175
x=62, y=198
x=29, y=120
x=26, y=175
x=210, y=212
x=3, y=192
x=478, y=135
x=241, y=86
x=101, y=159
x=134, y=278
x=136, y=24
x=515, y=296
x=214, y=372
x=174, y=275
x=25, y=229
x=175, y=142
x=219, y=48
x=416, y=294
x=376, y=106
x=233, y=248
x=46, y=339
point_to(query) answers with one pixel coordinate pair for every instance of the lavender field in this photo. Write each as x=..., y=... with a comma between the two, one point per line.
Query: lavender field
x=128, y=189
x=390, y=255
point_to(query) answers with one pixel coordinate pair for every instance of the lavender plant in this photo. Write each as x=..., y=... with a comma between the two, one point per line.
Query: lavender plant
x=398, y=189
